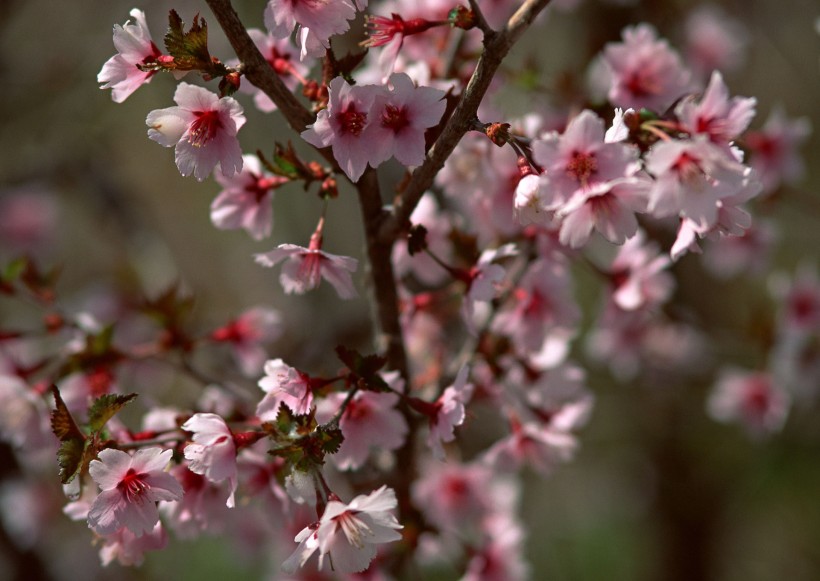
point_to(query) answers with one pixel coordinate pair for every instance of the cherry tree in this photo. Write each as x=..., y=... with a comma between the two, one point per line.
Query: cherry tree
x=483, y=232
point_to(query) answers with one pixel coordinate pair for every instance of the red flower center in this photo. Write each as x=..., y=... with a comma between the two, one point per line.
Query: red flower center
x=351, y=120
x=581, y=166
x=132, y=485
x=204, y=128
x=395, y=118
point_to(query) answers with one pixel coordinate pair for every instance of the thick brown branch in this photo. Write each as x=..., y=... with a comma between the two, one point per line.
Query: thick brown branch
x=256, y=69
x=386, y=301
x=496, y=48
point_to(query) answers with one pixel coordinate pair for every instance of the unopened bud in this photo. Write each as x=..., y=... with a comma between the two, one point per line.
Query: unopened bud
x=462, y=17
x=499, y=133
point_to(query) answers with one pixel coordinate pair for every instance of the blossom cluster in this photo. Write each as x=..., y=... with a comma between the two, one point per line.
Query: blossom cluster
x=542, y=254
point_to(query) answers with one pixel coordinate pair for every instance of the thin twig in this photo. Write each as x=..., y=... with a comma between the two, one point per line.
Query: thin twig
x=496, y=48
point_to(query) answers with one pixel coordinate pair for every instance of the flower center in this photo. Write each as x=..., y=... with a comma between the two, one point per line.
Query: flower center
x=204, y=128
x=351, y=120
x=395, y=118
x=581, y=166
x=690, y=171
x=132, y=485
x=353, y=528
x=310, y=269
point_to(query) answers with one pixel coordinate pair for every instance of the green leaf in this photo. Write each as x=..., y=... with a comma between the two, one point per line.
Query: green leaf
x=330, y=439
x=70, y=459
x=72, y=440
x=105, y=407
x=189, y=49
x=14, y=269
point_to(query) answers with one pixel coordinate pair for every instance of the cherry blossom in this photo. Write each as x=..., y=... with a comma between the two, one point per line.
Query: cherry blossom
x=752, y=399
x=284, y=59
x=247, y=334
x=246, y=200
x=317, y=20
x=639, y=275
x=369, y=421
x=645, y=71
x=134, y=47
x=131, y=486
x=343, y=123
x=422, y=265
x=129, y=549
x=348, y=534
x=608, y=207
x=284, y=384
x=202, y=509
x=774, y=149
x=398, y=121
x=306, y=267
x=578, y=159
x=484, y=280
x=448, y=412
x=456, y=497
x=541, y=309
x=202, y=129
x=714, y=41
x=691, y=177
x=213, y=451
x=716, y=115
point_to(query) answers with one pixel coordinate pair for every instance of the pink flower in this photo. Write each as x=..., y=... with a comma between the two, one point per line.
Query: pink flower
x=714, y=41
x=691, y=177
x=484, y=280
x=750, y=398
x=422, y=265
x=399, y=119
x=318, y=20
x=342, y=125
x=800, y=300
x=531, y=204
x=370, y=421
x=134, y=47
x=541, y=308
x=454, y=497
x=348, y=534
x=748, y=253
x=131, y=486
x=716, y=115
x=639, y=275
x=608, y=207
x=449, y=413
x=213, y=451
x=246, y=200
x=202, y=129
x=501, y=557
x=129, y=549
x=577, y=160
x=305, y=268
x=645, y=71
x=283, y=58
x=774, y=149
x=202, y=508
x=535, y=444
x=284, y=384
x=247, y=334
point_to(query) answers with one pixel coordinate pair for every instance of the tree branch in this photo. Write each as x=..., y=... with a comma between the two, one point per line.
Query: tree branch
x=496, y=48
x=386, y=300
x=256, y=69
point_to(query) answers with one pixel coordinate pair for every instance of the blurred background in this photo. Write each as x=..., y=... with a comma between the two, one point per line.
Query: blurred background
x=657, y=486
